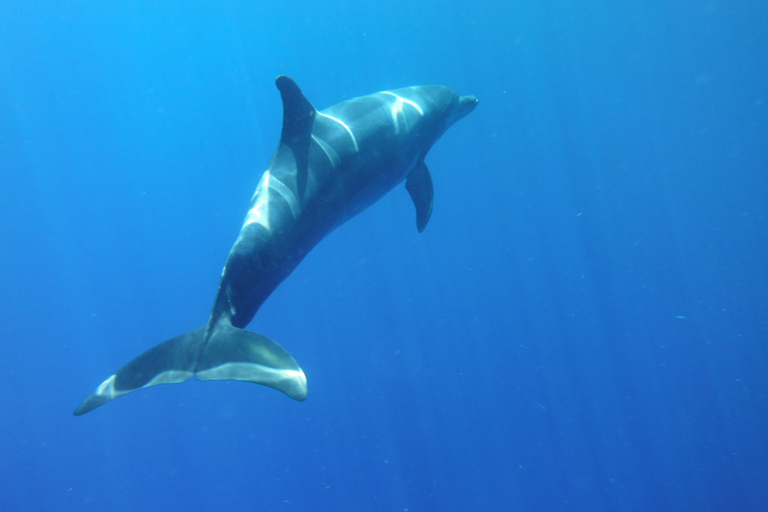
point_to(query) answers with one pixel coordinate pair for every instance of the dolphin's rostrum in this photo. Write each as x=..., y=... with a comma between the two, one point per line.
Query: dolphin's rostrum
x=329, y=166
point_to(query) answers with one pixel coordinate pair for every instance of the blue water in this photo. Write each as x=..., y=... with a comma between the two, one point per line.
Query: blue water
x=583, y=326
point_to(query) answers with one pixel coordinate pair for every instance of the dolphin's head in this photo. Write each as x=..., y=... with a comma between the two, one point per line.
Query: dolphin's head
x=444, y=103
x=463, y=106
x=439, y=105
x=445, y=107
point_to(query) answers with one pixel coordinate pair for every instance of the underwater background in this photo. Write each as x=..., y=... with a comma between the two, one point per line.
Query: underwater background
x=583, y=326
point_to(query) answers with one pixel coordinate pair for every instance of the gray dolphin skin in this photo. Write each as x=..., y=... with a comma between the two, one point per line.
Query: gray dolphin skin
x=329, y=166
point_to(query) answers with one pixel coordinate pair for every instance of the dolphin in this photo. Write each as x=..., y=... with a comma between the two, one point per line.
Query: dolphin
x=329, y=166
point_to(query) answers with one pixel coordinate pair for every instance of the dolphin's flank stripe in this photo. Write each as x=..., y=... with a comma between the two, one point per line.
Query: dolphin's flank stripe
x=333, y=158
x=349, y=130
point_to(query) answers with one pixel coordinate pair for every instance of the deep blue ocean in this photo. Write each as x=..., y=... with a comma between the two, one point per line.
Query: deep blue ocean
x=583, y=326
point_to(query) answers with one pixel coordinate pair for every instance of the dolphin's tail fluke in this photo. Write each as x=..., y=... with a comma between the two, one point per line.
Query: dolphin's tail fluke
x=237, y=354
x=229, y=353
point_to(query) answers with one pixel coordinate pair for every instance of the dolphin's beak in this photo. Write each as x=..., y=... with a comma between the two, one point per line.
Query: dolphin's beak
x=465, y=105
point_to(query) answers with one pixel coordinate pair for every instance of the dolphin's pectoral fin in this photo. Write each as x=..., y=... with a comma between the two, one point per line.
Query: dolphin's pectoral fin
x=298, y=118
x=169, y=362
x=238, y=354
x=419, y=186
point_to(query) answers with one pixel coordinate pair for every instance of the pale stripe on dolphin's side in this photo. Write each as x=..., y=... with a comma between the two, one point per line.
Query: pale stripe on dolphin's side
x=345, y=126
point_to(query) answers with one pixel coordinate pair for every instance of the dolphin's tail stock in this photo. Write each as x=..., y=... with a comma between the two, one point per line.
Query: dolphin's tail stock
x=228, y=353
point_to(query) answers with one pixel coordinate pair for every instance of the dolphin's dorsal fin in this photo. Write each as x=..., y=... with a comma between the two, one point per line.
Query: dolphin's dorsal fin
x=298, y=118
x=419, y=186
